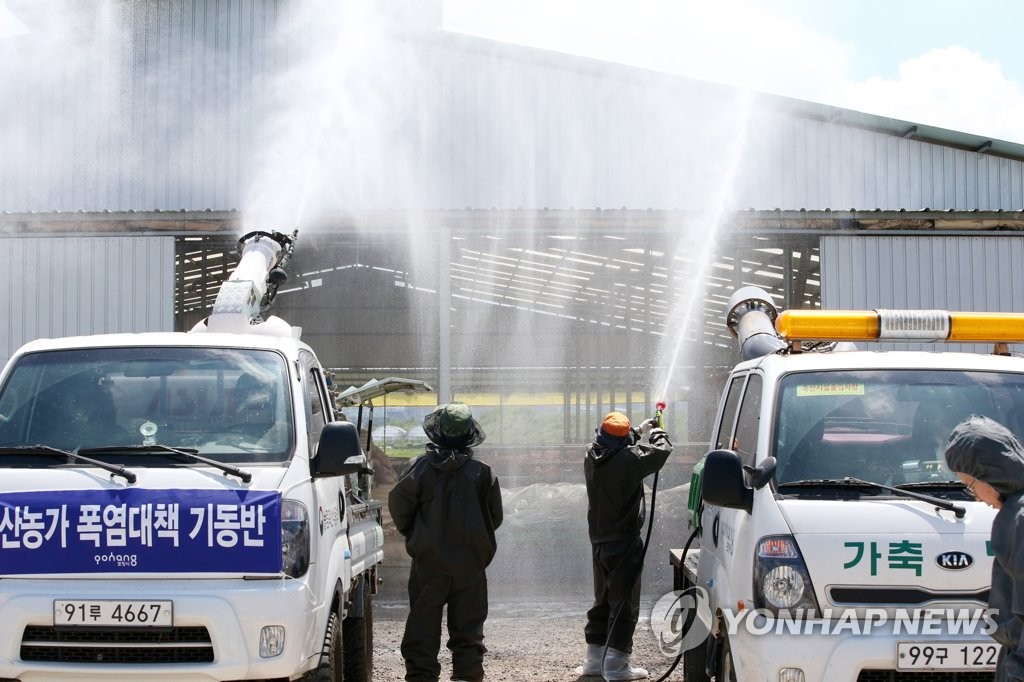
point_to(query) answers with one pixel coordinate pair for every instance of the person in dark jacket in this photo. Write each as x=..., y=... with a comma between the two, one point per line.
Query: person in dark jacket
x=615, y=468
x=989, y=460
x=447, y=505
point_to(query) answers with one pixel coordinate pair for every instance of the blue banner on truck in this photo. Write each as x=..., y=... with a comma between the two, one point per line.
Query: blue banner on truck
x=136, y=530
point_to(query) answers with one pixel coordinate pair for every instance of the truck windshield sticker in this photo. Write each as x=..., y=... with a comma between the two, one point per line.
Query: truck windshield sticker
x=138, y=531
x=902, y=555
x=829, y=389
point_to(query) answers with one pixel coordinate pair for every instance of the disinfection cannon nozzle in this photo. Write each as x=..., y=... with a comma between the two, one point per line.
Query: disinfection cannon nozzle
x=277, y=276
x=751, y=318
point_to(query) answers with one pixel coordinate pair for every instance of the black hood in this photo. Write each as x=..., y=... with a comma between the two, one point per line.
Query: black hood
x=986, y=450
x=444, y=459
x=606, y=445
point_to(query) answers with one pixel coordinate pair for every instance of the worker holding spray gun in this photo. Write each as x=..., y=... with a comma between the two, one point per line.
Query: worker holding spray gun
x=615, y=467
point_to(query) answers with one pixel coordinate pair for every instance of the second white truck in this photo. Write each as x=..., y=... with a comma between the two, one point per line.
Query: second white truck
x=834, y=543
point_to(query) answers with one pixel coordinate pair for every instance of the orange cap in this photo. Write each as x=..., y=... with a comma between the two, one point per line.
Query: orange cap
x=615, y=424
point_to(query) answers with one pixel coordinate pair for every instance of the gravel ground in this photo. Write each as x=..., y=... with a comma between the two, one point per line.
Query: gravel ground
x=540, y=641
x=543, y=551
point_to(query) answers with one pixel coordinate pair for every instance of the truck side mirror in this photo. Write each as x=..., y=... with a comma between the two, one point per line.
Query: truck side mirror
x=338, y=453
x=723, y=481
x=760, y=476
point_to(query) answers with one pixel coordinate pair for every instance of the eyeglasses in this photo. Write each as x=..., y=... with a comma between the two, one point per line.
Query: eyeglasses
x=970, y=486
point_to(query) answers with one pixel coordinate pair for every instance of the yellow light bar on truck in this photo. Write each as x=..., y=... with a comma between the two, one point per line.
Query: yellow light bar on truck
x=900, y=325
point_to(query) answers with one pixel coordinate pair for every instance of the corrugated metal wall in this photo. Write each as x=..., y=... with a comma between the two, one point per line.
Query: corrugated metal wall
x=191, y=105
x=64, y=286
x=131, y=104
x=813, y=164
x=982, y=273
x=550, y=131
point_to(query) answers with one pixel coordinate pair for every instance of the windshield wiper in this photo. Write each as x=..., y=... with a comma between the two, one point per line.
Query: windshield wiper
x=191, y=453
x=850, y=482
x=70, y=456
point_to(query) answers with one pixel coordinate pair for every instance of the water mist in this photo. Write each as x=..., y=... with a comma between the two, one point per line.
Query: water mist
x=680, y=331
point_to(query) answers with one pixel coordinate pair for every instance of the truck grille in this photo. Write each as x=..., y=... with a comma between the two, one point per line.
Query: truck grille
x=116, y=645
x=909, y=596
x=924, y=676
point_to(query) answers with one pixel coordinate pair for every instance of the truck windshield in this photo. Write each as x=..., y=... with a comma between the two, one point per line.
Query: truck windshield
x=884, y=426
x=228, y=404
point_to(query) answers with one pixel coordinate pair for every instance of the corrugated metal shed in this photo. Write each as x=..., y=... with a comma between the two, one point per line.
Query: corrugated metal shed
x=205, y=106
x=84, y=285
x=957, y=273
x=215, y=104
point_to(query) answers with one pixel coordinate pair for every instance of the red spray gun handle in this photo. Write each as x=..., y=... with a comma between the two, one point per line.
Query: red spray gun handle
x=659, y=409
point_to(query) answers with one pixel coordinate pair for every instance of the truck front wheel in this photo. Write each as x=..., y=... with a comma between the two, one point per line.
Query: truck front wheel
x=726, y=671
x=358, y=641
x=331, y=658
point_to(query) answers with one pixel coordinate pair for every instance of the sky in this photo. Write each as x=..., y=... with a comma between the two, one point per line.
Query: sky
x=956, y=64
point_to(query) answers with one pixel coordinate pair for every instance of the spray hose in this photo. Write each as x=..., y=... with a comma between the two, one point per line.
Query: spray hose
x=660, y=408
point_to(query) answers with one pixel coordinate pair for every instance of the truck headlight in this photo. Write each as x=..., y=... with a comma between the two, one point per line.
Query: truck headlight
x=294, y=538
x=781, y=579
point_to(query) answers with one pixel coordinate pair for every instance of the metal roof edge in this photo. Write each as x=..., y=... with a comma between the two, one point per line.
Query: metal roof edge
x=389, y=222
x=779, y=103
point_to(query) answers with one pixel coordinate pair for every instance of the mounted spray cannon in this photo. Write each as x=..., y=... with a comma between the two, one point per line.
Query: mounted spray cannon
x=245, y=298
x=751, y=319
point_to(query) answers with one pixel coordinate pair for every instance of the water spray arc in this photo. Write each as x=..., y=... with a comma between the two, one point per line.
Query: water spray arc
x=703, y=256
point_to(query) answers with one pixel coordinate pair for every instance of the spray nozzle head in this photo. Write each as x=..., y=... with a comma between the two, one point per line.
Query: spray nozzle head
x=660, y=406
x=277, y=277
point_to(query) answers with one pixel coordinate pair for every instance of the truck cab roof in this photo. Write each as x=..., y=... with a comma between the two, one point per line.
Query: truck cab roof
x=287, y=345
x=881, y=359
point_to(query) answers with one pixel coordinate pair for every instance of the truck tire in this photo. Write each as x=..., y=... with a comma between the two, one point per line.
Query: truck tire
x=331, y=658
x=358, y=642
x=726, y=672
x=695, y=660
x=695, y=663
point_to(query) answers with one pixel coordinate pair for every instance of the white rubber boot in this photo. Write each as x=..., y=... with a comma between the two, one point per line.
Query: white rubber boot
x=617, y=667
x=592, y=664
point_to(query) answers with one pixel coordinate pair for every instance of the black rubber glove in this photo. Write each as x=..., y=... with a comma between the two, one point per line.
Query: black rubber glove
x=659, y=438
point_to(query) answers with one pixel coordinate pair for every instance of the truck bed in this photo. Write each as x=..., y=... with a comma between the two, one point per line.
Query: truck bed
x=684, y=570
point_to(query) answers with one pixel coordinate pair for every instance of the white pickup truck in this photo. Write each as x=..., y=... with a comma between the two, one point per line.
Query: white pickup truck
x=180, y=506
x=834, y=543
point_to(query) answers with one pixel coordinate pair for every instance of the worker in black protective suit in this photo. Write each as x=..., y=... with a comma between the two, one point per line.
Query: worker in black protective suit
x=615, y=468
x=447, y=505
x=989, y=460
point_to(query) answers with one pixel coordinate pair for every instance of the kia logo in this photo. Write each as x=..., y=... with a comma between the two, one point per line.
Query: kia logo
x=954, y=561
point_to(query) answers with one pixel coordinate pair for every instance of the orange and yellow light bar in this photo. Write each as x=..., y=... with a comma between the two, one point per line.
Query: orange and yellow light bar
x=900, y=325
